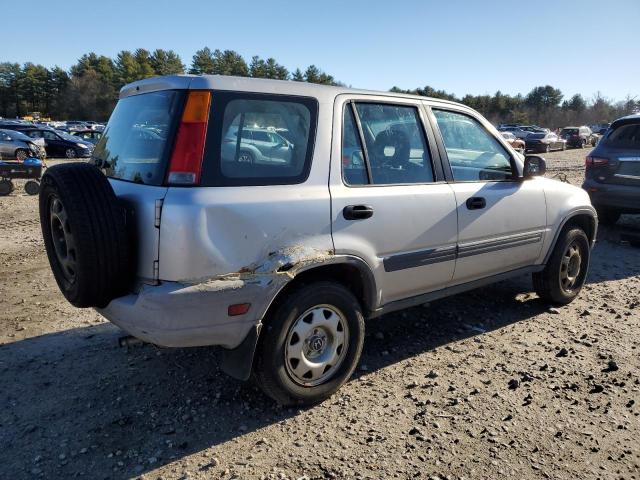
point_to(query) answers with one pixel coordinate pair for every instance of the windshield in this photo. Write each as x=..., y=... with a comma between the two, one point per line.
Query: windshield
x=134, y=145
x=66, y=136
x=537, y=135
x=569, y=131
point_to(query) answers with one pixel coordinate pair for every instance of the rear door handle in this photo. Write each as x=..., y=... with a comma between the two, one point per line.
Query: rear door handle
x=357, y=212
x=476, y=203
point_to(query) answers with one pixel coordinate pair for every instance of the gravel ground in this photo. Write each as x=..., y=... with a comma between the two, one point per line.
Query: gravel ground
x=488, y=384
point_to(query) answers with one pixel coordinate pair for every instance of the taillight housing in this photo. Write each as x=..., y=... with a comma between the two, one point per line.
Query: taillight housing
x=591, y=161
x=188, y=149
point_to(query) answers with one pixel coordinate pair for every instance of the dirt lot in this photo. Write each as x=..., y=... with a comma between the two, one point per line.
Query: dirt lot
x=488, y=384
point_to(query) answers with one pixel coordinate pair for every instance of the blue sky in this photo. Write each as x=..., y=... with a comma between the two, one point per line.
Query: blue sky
x=579, y=46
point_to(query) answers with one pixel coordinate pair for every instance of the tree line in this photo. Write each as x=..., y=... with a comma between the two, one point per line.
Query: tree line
x=89, y=89
x=543, y=105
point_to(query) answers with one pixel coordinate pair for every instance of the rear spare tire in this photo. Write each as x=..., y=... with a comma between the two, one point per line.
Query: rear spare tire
x=83, y=226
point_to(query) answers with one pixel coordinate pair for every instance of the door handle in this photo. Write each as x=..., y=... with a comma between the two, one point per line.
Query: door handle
x=357, y=212
x=476, y=203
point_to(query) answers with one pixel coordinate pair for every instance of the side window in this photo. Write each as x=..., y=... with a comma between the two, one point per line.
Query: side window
x=474, y=154
x=265, y=141
x=50, y=136
x=396, y=148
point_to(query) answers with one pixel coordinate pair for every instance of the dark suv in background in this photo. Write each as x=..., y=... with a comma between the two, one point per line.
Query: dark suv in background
x=578, y=137
x=612, y=175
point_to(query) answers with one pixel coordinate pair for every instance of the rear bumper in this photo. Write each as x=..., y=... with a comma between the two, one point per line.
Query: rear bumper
x=175, y=314
x=623, y=197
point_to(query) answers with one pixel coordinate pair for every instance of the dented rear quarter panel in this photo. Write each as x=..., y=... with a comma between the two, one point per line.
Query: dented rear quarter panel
x=207, y=232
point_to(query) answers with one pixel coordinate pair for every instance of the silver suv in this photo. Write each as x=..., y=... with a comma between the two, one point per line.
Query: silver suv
x=375, y=202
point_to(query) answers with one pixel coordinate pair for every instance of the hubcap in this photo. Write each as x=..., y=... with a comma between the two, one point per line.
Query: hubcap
x=63, y=241
x=316, y=345
x=71, y=153
x=570, y=267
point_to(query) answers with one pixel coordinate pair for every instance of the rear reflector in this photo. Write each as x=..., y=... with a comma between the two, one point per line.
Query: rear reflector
x=591, y=161
x=188, y=150
x=238, y=309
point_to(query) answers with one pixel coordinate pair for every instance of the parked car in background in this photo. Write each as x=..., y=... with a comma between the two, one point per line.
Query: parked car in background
x=517, y=131
x=257, y=145
x=61, y=144
x=74, y=125
x=517, y=143
x=91, y=136
x=612, y=171
x=578, y=137
x=15, y=145
x=544, y=142
x=184, y=242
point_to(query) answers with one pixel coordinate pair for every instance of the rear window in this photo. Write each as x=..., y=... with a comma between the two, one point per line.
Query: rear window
x=259, y=139
x=626, y=136
x=137, y=141
x=569, y=131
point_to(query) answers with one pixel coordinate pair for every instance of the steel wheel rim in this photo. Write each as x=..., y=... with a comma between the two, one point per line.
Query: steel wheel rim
x=570, y=267
x=63, y=240
x=21, y=155
x=71, y=153
x=316, y=345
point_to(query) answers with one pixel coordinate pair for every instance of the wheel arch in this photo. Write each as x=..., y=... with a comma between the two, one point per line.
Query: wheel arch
x=586, y=219
x=350, y=271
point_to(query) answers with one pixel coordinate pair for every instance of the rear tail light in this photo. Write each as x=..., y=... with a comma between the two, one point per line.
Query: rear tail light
x=591, y=161
x=188, y=150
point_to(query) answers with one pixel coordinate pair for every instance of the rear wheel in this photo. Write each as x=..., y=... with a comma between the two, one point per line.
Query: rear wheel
x=6, y=187
x=21, y=154
x=32, y=187
x=565, y=273
x=608, y=216
x=83, y=228
x=245, y=157
x=548, y=148
x=310, y=345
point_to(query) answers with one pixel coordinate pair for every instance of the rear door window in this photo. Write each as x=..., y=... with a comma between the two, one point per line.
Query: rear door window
x=396, y=148
x=137, y=141
x=256, y=139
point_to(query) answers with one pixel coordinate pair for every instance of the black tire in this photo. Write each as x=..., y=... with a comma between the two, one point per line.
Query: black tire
x=583, y=143
x=548, y=284
x=91, y=255
x=6, y=187
x=70, y=153
x=32, y=187
x=564, y=147
x=271, y=371
x=547, y=149
x=608, y=216
x=21, y=154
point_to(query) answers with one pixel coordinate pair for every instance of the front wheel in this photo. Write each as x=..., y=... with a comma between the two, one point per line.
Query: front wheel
x=563, y=277
x=310, y=345
x=21, y=154
x=70, y=153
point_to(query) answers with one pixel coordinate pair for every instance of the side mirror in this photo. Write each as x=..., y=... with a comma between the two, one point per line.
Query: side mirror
x=534, y=166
